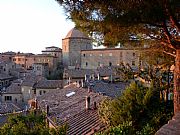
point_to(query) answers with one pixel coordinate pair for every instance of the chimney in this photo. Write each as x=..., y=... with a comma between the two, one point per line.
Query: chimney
x=36, y=104
x=95, y=106
x=82, y=83
x=47, y=110
x=89, y=89
x=85, y=77
x=47, y=114
x=87, y=102
x=93, y=77
x=98, y=75
x=69, y=81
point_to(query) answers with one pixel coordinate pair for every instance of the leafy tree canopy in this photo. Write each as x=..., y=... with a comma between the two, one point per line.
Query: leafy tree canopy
x=115, y=21
x=139, y=109
x=30, y=124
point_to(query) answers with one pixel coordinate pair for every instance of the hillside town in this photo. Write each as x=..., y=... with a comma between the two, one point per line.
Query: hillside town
x=86, y=73
x=67, y=83
x=109, y=68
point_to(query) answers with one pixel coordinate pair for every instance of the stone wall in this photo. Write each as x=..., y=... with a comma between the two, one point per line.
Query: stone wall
x=92, y=59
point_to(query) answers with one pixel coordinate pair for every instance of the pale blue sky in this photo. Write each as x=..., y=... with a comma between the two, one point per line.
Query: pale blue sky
x=31, y=25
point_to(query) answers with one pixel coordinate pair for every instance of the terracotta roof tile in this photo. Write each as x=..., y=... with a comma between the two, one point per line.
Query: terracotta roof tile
x=14, y=88
x=8, y=108
x=5, y=76
x=75, y=33
x=30, y=80
x=72, y=109
x=109, y=89
x=49, y=84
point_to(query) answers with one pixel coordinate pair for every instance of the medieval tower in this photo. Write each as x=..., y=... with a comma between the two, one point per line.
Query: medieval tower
x=72, y=44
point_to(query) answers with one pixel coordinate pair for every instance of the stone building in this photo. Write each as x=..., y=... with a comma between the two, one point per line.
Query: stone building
x=24, y=59
x=46, y=58
x=72, y=44
x=5, y=81
x=7, y=66
x=40, y=69
x=6, y=56
x=54, y=51
x=93, y=59
x=12, y=94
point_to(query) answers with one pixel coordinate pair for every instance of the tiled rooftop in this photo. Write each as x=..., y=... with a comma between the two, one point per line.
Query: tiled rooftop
x=30, y=80
x=5, y=76
x=8, y=108
x=14, y=88
x=20, y=70
x=84, y=122
x=75, y=33
x=49, y=84
x=72, y=109
x=78, y=73
x=109, y=89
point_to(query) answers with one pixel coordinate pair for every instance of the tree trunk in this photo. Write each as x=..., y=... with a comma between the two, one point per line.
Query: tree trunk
x=177, y=83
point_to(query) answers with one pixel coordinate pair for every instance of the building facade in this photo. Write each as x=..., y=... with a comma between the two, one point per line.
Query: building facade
x=6, y=56
x=46, y=58
x=72, y=44
x=40, y=69
x=93, y=59
x=24, y=59
x=54, y=51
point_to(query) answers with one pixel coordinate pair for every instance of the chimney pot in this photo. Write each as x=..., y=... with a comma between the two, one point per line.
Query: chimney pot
x=47, y=110
x=87, y=103
x=95, y=106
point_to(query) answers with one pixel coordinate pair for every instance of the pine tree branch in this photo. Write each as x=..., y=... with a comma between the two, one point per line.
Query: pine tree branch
x=169, y=53
x=165, y=44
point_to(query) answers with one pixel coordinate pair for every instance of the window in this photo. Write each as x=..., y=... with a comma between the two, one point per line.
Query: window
x=40, y=92
x=34, y=91
x=19, y=59
x=90, y=54
x=86, y=64
x=84, y=55
x=133, y=63
x=110, y=64
x=110, y=54
x=100, y=54
x=134, y=54
x=8, y=98
x=44, y=91
x=6, y=82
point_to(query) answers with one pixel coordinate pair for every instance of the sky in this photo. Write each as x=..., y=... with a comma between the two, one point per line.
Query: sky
x=31, y=25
